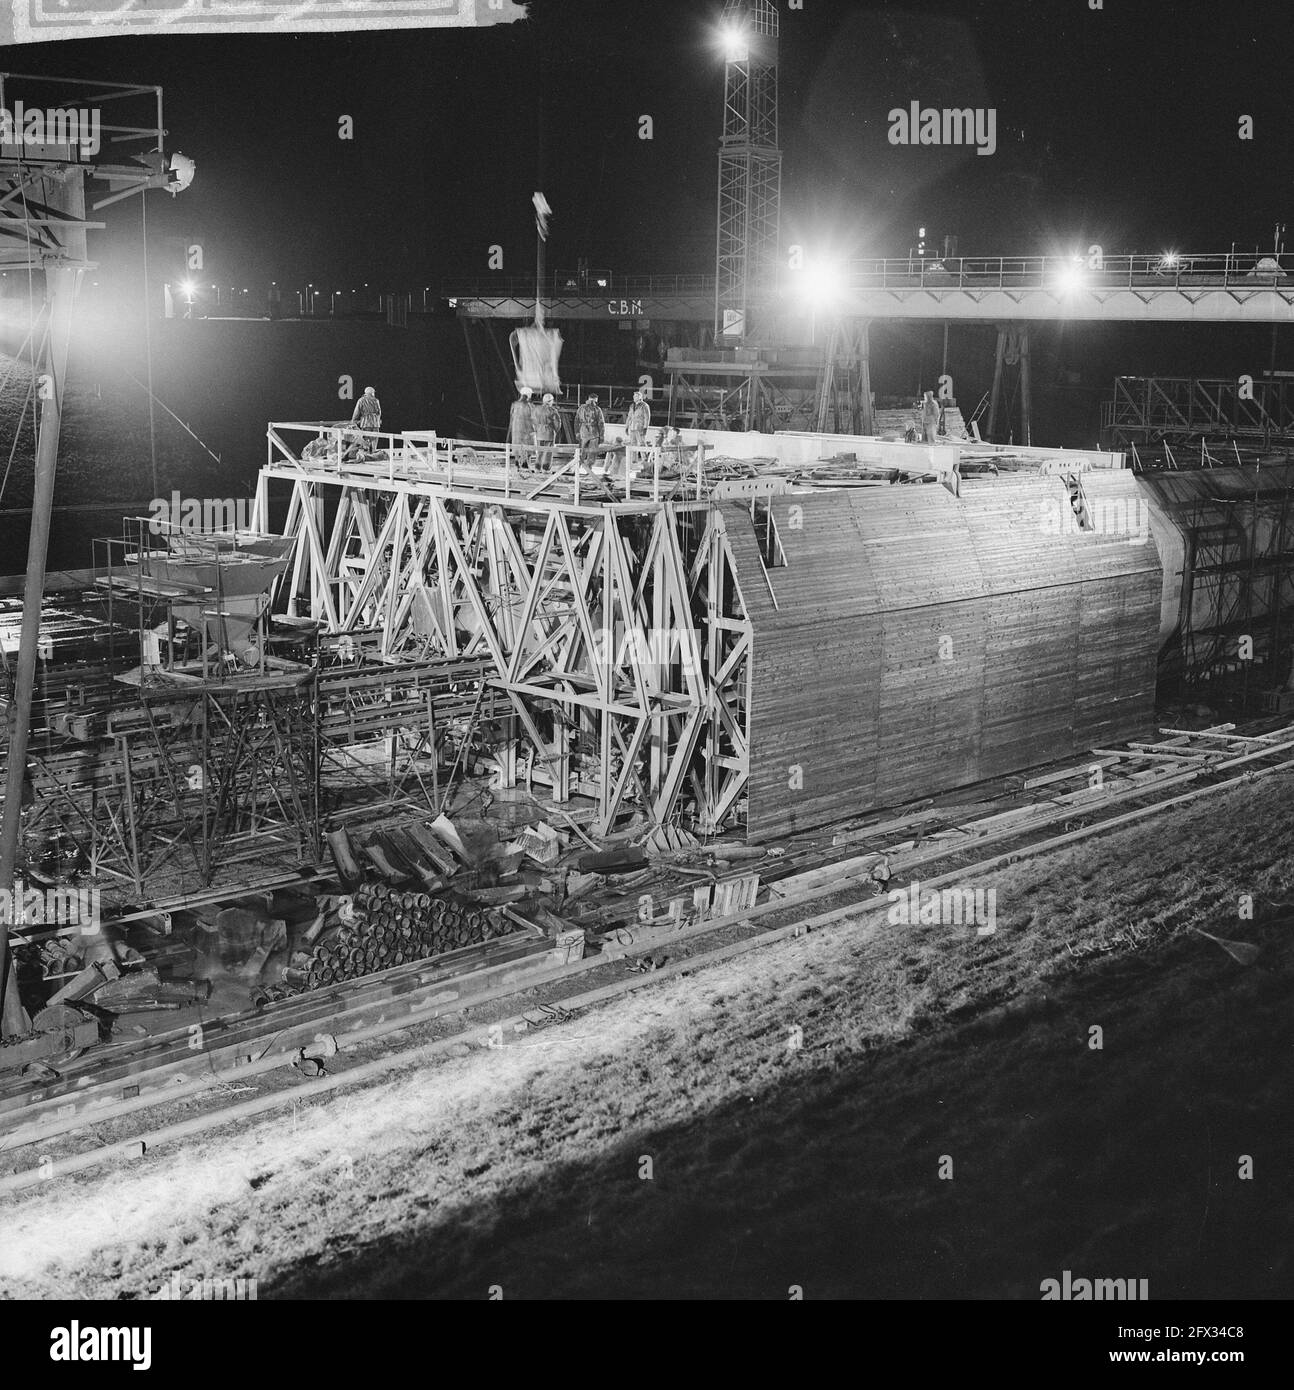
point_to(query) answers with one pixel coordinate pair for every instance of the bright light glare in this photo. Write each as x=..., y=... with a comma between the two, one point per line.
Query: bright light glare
x=736, y=46
x=1070, y=279
x=188, y=287
x=1170, y=258
x=822, y=284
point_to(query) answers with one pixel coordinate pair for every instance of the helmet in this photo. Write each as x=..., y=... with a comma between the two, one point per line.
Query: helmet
x=548, y=398
x=526, y=391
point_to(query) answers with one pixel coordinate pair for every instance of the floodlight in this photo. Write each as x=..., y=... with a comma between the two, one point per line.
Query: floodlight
x=180, y=175
x=1070, y=279
x=735, y=42
x=821, y=283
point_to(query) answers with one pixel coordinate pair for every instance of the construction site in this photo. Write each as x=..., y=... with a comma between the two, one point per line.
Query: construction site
x=458, y=737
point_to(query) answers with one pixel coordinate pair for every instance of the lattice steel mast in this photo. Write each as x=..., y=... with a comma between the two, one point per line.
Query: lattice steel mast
x=750, y=166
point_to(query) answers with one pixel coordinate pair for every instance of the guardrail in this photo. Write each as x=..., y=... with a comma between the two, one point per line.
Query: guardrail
x=520, y=287
x=1219, y=270
x=523, y=473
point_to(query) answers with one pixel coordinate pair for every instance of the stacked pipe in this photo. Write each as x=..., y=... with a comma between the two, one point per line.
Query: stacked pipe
x=387, y=928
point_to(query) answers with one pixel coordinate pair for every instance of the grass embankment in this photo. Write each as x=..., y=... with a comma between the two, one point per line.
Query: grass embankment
x=773, y=1166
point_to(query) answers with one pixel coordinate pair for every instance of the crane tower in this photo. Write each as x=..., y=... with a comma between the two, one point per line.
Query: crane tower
x=750, y=166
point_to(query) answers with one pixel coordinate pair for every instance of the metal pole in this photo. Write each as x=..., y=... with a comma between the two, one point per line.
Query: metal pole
x=60, y=283
x=148, y=343
x=996, y=394
x=1026, y=392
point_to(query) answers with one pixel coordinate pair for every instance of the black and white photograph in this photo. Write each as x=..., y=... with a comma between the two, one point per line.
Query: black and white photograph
x=646, y=655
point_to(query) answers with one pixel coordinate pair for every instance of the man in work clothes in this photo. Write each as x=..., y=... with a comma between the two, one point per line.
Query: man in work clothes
x=930, y=418
x=548, y=425
x=637, y=423
x=590, y=429
x=368, y=412
x=521, y=427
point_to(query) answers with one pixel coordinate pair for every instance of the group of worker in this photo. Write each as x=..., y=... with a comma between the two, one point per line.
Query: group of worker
x=535, y=426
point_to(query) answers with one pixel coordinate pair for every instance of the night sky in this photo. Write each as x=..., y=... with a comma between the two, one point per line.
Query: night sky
x=1117, y=126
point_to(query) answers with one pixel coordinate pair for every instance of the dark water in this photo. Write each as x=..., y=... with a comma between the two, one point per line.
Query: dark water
x=225, y=380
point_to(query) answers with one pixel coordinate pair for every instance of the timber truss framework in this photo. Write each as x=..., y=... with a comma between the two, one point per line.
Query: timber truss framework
x=616, y=632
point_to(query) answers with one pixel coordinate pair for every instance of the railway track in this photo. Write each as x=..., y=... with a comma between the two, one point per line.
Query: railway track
x=502, y=990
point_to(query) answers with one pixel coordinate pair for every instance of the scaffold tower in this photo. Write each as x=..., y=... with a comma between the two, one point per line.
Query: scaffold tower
x=750, y=165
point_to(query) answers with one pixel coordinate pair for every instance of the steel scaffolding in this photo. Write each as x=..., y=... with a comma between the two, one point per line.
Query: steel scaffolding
x=1185, y=410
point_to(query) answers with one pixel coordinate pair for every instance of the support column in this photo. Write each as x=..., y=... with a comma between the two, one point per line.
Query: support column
x=826, y=377
x=1026, y=391
x=995, y=398
x=866, y=424
x=61, y=283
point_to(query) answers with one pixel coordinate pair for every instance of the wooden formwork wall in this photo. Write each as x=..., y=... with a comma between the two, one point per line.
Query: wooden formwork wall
x=914, y=641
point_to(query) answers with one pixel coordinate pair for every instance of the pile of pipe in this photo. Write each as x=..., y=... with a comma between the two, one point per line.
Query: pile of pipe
x=380, y=927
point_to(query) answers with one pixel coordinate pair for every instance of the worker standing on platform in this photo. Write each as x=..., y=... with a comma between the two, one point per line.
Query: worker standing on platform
x=929, y=417
x=590, y=429
x=637, y=423
x=548, y=425
x=521, y=427
x=368, y=412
